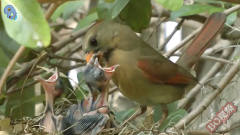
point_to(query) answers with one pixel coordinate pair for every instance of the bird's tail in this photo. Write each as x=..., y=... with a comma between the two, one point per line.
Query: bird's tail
x=202, y=41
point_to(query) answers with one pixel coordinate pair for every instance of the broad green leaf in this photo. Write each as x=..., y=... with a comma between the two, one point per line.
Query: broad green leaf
x=22, y=103
x=110, y=10
x=31, y=100
x=110, y=1
x=82, y=88
x=172, y=107
x=118, y=7
x=8, y=45
x=7, y=48
x=3, y=105
x=67, y=9
x=3, y=58
x=231, y=18
x=80, y=77
x=211, y=1
x=86, y=21
x=28, y=27
x=157, y=113
x=123, y=115
x=171, y=4
x=195, y=9
x=137, y=14
x=104, y=10
x=173, y=118
x=80, y=93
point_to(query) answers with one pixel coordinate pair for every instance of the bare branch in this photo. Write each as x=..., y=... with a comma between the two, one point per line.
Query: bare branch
x=183, y=102
x=172, y=34
x=208, y=100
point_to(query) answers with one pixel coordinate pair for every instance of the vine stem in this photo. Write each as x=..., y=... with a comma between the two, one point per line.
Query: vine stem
x=10, y=66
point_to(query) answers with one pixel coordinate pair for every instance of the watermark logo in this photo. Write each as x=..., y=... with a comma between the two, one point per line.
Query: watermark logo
x=10, y=11
x=221, y=117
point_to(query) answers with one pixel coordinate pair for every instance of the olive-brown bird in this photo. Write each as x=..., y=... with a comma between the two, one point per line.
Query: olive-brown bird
x=144, y=75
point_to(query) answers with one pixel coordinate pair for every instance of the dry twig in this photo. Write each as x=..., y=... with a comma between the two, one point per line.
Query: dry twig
x=208, y=100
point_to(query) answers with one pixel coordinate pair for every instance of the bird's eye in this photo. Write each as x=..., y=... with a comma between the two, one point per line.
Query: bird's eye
x=93, y=42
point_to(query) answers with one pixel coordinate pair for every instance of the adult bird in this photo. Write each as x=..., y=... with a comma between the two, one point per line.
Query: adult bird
x=144, y=75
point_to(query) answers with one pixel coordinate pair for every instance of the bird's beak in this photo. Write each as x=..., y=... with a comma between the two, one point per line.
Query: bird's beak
x=108, y=71
x=49, y=84
x=54, y=77
x=89, y=56
x=93, y=58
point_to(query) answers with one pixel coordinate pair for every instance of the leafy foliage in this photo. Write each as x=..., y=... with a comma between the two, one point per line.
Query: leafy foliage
x=66, y=9
x=110, y=9
x=21, y=103
x=8, y=45
x=123, y=115
x=173, y=118
x=137, y=14
x=171, y=4
x=231, y=18
x=87, y=20
x=195, y=9
x=29, y=19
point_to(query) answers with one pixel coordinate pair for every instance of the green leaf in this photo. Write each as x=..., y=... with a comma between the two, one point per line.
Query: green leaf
x=123, y=115
x=22, y=103
x=231, y=18
x=67, y=9
x=211, y=1
x=86, y=21
x=137, y=14
x=104, y=10
x=80, y=92
x=110, y=1
x=7, y=48
x=3, y=108
x=8, y=45
x=3, y=58
x=31, y=100
x=118, y=7
x=172, y=107
x=82, y=88
x=157, y=113
x=195, y=9
x=28, y=27
x=80, y=77
x=171, y=4
x=173, y=118
x=109, y=10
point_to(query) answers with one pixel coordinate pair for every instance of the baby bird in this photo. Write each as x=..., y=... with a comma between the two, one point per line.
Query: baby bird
x=90, y=116
x=87, y=118
x=52, y=88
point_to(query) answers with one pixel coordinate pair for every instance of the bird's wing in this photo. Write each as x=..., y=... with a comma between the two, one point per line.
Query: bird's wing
x=164, y=71
x=90, y=123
